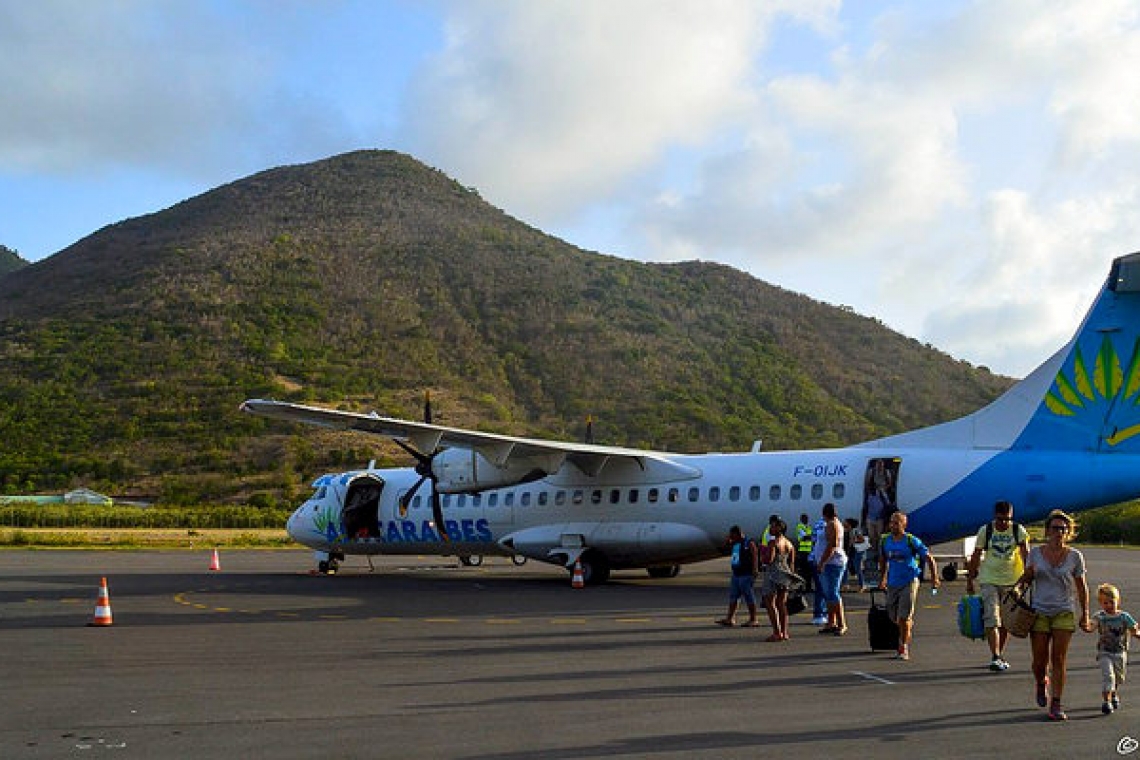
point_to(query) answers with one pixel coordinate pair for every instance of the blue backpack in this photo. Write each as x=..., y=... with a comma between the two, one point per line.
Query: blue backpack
x=971, y=623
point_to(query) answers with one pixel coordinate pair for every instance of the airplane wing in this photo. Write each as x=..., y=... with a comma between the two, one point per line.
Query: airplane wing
x=502, y=450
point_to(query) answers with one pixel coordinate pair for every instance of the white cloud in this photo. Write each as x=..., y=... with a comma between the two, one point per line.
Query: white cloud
x=549, y=107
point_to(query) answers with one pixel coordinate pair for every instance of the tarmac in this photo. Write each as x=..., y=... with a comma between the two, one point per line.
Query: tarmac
x=422, y=658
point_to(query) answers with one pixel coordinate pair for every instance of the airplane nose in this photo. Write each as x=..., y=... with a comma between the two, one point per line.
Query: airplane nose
x=293, y=526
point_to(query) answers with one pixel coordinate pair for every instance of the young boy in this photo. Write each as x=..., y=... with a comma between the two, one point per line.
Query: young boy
x=1113, y=626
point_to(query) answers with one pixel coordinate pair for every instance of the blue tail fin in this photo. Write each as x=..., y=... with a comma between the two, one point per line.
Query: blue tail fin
x=1092, y=402
x=1086, y=397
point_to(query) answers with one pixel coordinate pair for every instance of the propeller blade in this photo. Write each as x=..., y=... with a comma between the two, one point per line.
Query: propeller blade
x=437, y=513
x=406, y=499
x=427, y=407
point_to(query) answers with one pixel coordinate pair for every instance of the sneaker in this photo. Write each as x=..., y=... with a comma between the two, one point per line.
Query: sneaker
x=1042, y=696
x=903, y=653
x=995, y=664
x=822, y=620
x=1115, y=702
x=1004, y=664
x=1106, y=708
x=1056, y=713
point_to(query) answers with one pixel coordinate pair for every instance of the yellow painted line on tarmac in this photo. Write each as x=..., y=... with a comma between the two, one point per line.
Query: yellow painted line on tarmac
x=385, y=619
x=633, y=620
x=223, y=609
x=333, y=617
x=703, y=619
x=289, y=614
x=441, y=620
x=501, y=621
x=568, y=621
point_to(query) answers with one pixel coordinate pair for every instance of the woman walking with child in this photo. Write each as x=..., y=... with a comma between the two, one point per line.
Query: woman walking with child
x=1057, y=573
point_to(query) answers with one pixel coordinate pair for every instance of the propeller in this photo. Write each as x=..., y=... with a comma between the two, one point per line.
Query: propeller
x=589, y=428
x=423, y=468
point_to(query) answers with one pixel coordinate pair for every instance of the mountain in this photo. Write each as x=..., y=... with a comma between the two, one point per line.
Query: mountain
x=10, y=261
x=365, y=280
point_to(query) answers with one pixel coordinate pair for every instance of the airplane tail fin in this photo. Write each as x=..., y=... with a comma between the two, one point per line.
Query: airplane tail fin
x=1092, y=401
x=1085, y=397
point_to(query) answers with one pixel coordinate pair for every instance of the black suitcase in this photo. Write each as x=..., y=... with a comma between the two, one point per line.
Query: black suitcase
x=883, y=632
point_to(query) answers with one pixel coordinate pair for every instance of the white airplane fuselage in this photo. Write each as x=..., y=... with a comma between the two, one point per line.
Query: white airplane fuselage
x=1067, y=436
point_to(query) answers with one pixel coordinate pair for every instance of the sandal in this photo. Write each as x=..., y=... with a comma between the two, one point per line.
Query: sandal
x=775, y=637
x=839, y=631
x=726, y=622
x=752, y=624
x=828, y=629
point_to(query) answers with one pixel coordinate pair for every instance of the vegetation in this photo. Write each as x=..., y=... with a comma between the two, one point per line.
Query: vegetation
x=10, y=261
x=363, y=281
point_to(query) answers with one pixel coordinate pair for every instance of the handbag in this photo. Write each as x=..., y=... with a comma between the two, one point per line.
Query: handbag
x=796, y=604
x=1016, y=614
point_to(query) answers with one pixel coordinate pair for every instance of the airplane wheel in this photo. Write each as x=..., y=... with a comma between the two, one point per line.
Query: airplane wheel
x=472, y=560
x=666, y=571
x=595, y=568
x=518, y=559
x=949, y=572
x=323, y=567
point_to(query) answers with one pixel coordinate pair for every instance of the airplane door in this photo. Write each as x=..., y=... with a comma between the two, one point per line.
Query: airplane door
x=880, y=485
x=361, y=513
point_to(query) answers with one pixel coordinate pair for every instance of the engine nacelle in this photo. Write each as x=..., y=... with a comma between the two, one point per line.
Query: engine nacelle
x=467, y=471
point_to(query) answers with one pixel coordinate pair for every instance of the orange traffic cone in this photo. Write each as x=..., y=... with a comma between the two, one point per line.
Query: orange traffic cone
x=214, y=563
x=578, y=581
x=102, y=606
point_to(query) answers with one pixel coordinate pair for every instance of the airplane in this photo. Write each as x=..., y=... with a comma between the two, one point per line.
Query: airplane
x=1067, y=436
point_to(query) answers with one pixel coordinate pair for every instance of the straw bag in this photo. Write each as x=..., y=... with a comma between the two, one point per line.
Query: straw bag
x=1016, y=614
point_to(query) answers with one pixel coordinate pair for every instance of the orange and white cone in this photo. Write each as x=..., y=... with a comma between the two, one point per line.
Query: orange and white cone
x=578, y=581
x=215, y=564
x=102, y=606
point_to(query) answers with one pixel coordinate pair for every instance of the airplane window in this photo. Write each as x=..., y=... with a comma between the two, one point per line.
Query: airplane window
x=674, y=494
x=509, y=500
x=734, y=493
x=542, y=498
x=492, y=500
x=578, y=496
x=754, y=493
x=796, y=491
x=461, y=502
x=322, y=492
x=838, y=490
x=615, y=496
x=416, y=502
x=694, y=494
x=714, y=493
x=560, y=498
x=817, y=490
x=596, y=496
x=525, y=499
x=477, y=500
x=652, y=495
x=774, y=493
x=633, y=496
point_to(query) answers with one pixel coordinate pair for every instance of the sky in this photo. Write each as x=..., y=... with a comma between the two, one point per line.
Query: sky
x=962, y=171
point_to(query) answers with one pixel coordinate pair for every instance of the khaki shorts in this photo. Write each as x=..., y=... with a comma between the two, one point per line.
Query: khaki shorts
x=1062, y=621
x=991, y=604
x=901, y=599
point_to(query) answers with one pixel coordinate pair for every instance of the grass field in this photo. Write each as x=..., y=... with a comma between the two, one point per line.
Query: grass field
x=142, y=538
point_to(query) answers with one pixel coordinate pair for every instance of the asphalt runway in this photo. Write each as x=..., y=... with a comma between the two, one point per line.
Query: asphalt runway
x=425, y=659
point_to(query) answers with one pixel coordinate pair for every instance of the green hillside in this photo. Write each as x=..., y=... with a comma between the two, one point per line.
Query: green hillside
x=366, y=279
x=10, y=261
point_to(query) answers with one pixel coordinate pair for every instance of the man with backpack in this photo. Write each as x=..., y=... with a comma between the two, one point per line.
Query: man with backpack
x=745, y=568
x=900, y=558
x=1005, y=546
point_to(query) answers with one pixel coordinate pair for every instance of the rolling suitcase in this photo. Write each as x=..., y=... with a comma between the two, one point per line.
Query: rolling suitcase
x=884, y=634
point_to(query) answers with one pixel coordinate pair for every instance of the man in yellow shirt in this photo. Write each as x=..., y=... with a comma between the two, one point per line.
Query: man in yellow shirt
x=1005, y=547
